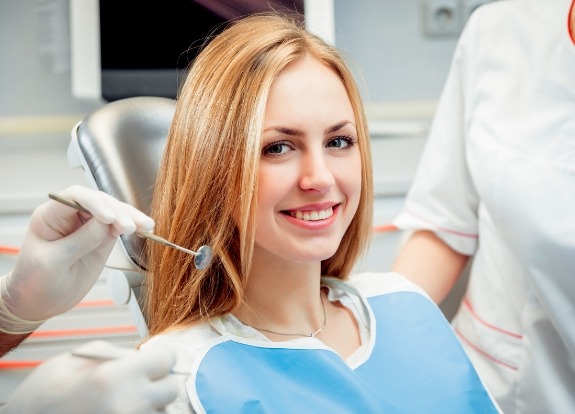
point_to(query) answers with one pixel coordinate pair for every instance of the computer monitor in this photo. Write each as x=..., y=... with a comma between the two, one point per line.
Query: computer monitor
x=128, y=48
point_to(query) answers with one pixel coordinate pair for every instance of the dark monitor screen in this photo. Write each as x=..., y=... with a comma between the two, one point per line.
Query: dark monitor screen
x=146, y=46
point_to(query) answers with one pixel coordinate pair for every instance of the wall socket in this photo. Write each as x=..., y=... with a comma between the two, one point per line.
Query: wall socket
x=447, y=17
x=441, y=17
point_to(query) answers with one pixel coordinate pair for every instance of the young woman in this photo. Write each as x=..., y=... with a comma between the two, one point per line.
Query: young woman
x=268, y=161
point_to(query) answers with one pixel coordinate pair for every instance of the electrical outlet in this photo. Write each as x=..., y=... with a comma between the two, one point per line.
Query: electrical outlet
x=441, y=17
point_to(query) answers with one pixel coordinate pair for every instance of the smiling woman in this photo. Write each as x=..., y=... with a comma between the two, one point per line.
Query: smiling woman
x=310, y=166
x=268, y=158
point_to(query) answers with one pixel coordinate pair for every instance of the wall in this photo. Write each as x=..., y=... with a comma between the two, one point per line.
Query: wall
x=385, y=41
x=37, y=113
x=34, y=59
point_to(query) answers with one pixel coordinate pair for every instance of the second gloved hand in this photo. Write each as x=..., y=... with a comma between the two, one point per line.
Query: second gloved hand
x=136, y=382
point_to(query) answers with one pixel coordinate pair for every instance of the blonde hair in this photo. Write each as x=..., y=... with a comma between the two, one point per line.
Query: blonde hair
x=209, y=173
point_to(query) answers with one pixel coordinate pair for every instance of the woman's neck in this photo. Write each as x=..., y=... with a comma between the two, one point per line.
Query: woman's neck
x=283, y=297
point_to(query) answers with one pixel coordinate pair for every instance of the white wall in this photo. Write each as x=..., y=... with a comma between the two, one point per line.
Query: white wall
x=385, y=40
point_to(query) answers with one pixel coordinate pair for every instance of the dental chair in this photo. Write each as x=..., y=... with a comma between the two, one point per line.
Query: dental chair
x=119, y=146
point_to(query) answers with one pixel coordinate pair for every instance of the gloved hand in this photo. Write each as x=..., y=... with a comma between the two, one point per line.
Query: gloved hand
x=64, y=252
x=136, y=382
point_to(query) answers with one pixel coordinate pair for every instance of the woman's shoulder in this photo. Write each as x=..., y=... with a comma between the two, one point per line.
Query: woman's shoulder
x=187, y=343
x=370, y=284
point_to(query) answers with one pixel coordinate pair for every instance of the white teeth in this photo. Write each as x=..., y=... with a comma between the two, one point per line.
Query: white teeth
x=313, y=215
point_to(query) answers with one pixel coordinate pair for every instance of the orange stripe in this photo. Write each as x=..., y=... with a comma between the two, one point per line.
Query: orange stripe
x=384, y=228
x=19, y=364
x=95, y=304
x=81, y=332
x=9, y=250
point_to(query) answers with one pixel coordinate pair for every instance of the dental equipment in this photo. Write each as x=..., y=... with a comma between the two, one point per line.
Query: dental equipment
x=202, y=257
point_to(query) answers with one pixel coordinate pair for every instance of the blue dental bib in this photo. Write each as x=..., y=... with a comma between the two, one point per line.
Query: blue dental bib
x=416, y=365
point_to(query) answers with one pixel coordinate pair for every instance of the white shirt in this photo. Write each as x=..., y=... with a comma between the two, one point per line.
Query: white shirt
x=497, y=180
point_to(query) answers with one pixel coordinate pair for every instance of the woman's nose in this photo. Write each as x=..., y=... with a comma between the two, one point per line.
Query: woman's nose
x=316, y=174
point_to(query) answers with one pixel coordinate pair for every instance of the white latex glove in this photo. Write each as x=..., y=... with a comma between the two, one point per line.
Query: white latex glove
x=137, y=382
x=64, y=252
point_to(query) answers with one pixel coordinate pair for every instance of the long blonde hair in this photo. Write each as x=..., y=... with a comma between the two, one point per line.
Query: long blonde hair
x=209, y=173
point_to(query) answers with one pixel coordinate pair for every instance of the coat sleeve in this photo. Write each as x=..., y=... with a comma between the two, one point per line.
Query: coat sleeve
x=443, y=197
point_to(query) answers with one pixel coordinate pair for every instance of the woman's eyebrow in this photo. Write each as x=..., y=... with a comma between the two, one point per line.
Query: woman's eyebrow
x=338, y=126
x=297, y=132
x=285, y=130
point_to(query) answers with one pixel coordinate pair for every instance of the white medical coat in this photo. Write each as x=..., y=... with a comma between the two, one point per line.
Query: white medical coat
x=497, y=181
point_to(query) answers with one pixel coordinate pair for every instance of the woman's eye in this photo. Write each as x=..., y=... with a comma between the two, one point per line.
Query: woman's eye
x=275, y=149
x=340, y=142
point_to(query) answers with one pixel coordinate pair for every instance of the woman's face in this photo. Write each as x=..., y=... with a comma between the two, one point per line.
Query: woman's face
x=310, y=166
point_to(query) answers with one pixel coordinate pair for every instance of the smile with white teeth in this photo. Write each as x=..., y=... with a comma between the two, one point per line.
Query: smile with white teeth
x=313, y=215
